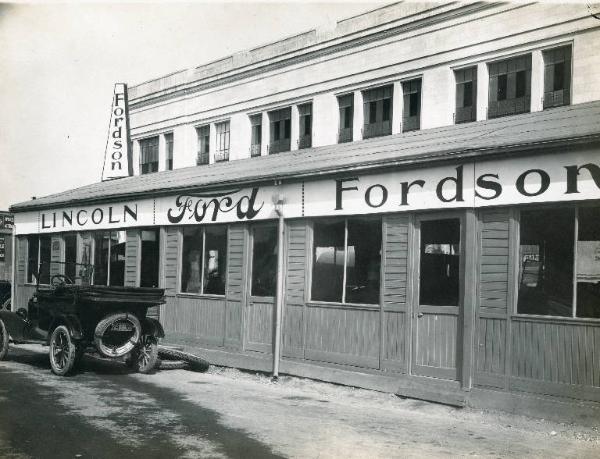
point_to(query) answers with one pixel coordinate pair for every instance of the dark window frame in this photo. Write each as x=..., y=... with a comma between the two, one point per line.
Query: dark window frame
x=268, y=258
x=376, y=123
x=305, y=119
x=346, y=118
x=557, y=58
x=506, y=76
x=466, y=95
x=280, y=130
x=255, y=135
x=223, y=140
x=33, y=263
x=111, y=264
x=149, y=155
x=203, y=133
x=411, y=112
x=169, y=145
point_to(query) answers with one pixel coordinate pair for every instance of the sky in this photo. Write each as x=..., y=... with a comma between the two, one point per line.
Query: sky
x=59, y=64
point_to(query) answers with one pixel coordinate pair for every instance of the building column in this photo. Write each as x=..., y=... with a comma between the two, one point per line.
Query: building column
x=359, y=119
x=295, y=131
x=397, y=106
x=470, y=282
x=483, y=83
x=265, y=128
x=537, y=81
x=135, y=157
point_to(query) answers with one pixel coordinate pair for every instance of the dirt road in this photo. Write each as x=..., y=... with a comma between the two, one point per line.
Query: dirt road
x=227, y=413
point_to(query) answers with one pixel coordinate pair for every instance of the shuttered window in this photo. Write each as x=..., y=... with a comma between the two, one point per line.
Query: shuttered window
x=222, y=148
x=346, y=106
x=149, y=155
x=169, y=152
x=377, y=107
x=280, y=127
x=510, y=86
x=466, y=95
x=256, y=135
x=203, y=144
x=411, y=114
x=557, y=77
x=305, y=119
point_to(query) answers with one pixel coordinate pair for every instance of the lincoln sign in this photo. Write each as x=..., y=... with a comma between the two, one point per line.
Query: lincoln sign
x=520, y=180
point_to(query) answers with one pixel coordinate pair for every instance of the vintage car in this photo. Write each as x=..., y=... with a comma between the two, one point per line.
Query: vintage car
x=5, y=292
x=74, y=317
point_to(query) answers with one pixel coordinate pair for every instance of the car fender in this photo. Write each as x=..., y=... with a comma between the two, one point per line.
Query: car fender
x=71, y=322
x=152, y=327
x=16, y=325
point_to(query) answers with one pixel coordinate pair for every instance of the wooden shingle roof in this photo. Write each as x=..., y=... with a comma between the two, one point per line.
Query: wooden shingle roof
x=526, y=132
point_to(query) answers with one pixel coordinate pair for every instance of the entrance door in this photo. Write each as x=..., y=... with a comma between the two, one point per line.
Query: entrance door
x=438, y=297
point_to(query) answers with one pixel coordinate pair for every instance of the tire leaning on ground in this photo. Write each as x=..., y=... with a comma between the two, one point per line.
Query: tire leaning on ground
x=62, y=351
x=194, y=362
x=144, y=357
x=105, y=324
x=3, y=340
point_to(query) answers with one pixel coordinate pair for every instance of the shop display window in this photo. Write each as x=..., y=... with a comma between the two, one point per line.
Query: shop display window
x=39, y=259
x=109, y=258
x=204, y=260
x=559, y=262
x=264, y=260
x=439, y=274
x=347, y=261
x=149, y=258
x=70, y=256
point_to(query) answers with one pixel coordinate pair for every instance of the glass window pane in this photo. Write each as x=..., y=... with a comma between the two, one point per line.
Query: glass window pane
x=33, y=253
x=264, y=260
x=440, y=262
x=328, y=262
x=45, y=249
x=363, y=263
x=71, y=256
x=215, y=259
x=546, y=262
x=191, y=263
x=149, y=258
x=588, y=263
x=118, y=241
x=101, y=241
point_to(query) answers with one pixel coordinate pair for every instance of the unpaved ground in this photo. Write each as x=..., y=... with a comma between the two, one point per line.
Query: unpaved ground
x=245, y=415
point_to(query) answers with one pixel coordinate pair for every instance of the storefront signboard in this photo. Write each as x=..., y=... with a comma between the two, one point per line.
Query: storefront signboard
x=117, y=156
x=518, y=180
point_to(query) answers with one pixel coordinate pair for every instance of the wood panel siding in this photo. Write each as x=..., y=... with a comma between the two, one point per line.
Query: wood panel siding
x=492, y=327
x=171, y=260
x=437, y=338
x=235, y=285
x=394, y=287
x=343, y=334
x=200, y=318
x=295, y=290
x=132, y=253
x=550, y=351
x=259, y=325
x=22, y=292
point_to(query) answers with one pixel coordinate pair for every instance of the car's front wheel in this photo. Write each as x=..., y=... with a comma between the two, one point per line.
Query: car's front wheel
x=3, y=340
x=62, y=351
x=143, y=358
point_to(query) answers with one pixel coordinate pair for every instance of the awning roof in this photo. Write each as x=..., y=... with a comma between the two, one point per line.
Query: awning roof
x=555, y=127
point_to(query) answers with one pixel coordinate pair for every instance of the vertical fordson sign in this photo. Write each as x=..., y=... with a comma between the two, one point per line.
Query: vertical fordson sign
x=117, y=156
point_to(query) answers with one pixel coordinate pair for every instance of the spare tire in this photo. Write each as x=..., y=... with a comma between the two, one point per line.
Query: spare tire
x=195, y=363
x=117, y=334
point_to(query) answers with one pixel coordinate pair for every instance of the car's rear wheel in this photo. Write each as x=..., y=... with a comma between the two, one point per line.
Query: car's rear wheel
x=3, y=340
x=144, y=356
x=62, y=351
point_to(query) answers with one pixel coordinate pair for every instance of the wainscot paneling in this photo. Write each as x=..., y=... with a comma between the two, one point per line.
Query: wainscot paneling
x=549, y=351
x=346, y=335
x=437, y=337
x=259, y=325
x=198, y=317
x=395, y=266
x=295, y=285
x=235, y=285
x=491, y=346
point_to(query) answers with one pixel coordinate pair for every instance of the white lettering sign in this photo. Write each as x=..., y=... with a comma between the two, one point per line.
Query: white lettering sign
x=117, y=161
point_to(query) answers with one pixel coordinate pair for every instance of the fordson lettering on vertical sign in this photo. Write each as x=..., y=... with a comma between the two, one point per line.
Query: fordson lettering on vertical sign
x=201, y=207
x=117, y=162
x=80, y=218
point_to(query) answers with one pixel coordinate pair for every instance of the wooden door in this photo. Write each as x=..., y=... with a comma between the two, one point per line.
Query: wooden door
x=438, y=298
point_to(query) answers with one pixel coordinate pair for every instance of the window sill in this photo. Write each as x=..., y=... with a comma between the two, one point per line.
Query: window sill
x=330, y=304
x=555, y=319
x=200, y=296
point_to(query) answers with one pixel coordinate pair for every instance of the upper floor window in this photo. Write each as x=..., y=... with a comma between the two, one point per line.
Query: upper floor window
x=377, y=105
x=256, y=135
x=466, y=95
x=203, y=144
x=346, y=104
x=510, y=86
x=169, y=152
x=222, y=149
x=411, y=114
x=149, y=155
x=557, y=76
x=281, y=130
x=38, y=264
x=305, y=118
